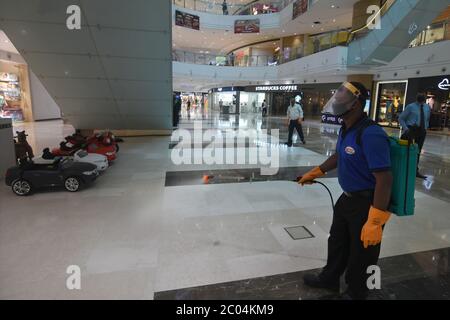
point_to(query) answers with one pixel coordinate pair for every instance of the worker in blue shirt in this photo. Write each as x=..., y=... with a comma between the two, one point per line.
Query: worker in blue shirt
x=363, y=162
x=415, y=120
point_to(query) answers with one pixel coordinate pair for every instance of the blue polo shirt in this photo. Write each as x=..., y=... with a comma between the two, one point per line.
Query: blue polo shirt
x=356, y=164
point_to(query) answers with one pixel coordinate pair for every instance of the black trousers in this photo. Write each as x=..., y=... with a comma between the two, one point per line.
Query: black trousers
x=420, y=140
x=294, y=124
x=345, y=248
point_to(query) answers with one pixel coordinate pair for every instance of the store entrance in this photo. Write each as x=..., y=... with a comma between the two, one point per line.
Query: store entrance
x=391, y=102
x=280, y=103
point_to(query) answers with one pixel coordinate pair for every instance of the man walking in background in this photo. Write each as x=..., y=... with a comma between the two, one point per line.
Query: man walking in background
x=295, y=117
x=415, y=120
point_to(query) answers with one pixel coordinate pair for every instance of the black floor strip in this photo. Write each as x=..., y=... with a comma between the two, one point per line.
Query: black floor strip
x=199, y=177
x=416, y=276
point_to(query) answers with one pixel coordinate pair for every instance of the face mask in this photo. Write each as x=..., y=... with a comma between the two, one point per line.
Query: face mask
x=342, y=101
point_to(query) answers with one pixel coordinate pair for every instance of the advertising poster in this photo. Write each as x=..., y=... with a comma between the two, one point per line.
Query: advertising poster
x=246, y=26
x=187, y=20
x=300, y=7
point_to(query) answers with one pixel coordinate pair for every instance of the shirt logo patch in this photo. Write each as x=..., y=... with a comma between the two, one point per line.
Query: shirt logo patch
x=350, y=151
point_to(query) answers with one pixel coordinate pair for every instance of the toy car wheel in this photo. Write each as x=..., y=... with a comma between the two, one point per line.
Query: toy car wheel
x=21, y=188
x=72, y=184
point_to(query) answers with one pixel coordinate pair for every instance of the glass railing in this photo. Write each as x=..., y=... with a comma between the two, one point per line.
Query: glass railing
x=248, y=7
x=221, y=60
x=435, y=32
x=365, y=29
x=311, y=45
x=316, y=43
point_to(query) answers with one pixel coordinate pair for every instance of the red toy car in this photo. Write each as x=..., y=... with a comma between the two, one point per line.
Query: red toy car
x=65, y=149
x=103, y=143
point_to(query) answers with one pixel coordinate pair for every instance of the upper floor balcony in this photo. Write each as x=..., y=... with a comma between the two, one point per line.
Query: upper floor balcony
x=234, y=7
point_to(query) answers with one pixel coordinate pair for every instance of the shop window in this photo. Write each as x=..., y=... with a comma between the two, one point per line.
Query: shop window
x=391, y=102
x=10, y=97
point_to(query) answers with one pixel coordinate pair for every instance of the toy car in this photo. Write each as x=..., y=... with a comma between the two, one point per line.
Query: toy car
x=65, y=149
x=66, y=173
x=108, y=151
x=100, y=161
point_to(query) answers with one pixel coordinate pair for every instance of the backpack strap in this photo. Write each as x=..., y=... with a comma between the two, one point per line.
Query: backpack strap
x=364, y=125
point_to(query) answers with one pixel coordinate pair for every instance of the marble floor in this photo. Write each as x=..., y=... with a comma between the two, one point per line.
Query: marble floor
x=152, y=229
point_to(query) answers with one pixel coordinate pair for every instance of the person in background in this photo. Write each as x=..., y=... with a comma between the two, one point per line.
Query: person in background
x=176, y=109
x=188, y=108
x=221, y=106
x=414, y=121
x=264, y=108
x=232, y=59
x=295, y=117
x=225, y=8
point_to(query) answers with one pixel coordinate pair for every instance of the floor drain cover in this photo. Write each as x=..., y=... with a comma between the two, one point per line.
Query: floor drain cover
x=298, y=233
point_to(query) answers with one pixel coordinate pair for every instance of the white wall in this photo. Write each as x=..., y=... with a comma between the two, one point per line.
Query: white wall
x=44, y=107
x=429, y=60
x=7, y=156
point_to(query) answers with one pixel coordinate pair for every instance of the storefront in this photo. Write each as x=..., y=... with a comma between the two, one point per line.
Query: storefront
x=393, y=96
x=277, y=97
x=437, y=90
x=198, y=101
x=249, y=100
x=390, y=100
x=226, y=99
x=14, y=100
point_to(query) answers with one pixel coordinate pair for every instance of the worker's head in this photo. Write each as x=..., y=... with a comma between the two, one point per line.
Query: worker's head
x=350, y=97
x=421, y=98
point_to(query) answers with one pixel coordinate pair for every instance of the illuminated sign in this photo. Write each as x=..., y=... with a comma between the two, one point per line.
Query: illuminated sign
x=277, y=88
x=444, y=85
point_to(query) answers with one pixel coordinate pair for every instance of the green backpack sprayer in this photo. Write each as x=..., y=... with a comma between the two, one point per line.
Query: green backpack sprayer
x=403, y=166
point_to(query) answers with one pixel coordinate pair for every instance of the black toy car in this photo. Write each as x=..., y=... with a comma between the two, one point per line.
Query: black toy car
x=63, y=172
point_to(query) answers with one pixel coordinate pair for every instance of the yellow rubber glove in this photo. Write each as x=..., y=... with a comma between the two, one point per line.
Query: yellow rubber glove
x=372, y=231
x=310, y=176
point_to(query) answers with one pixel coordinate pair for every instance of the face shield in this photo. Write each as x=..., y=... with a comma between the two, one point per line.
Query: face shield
x=343, y=100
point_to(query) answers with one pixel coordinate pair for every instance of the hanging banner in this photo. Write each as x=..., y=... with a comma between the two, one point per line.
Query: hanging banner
x=299, y=8
x=187, y=20
x=246, y=26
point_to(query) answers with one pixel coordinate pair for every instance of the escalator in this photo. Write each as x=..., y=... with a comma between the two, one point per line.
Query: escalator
x=401, y=22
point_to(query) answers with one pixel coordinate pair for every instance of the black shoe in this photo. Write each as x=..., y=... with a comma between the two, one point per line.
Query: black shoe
x=420, y=176
x=289, y=145
x=304, y=142
x=314, y=281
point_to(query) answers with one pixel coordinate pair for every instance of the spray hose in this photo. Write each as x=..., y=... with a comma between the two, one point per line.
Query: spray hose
x=323, y=185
